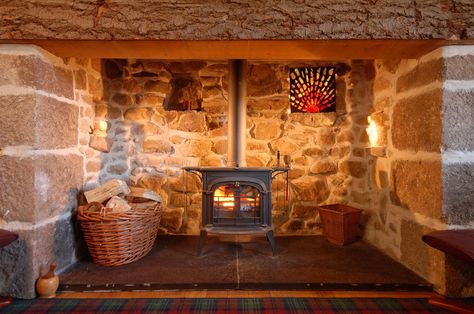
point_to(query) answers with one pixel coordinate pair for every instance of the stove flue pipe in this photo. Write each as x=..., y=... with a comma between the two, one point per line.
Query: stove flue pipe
x=237, y=114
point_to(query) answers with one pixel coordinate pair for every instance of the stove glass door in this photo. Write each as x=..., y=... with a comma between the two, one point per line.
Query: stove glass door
x=236, y=204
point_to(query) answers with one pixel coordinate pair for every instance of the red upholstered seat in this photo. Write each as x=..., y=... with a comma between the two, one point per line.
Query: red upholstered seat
x=7, y=237
x=459, y=243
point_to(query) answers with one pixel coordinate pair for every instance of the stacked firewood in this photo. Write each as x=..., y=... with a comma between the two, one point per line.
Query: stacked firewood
x=115, y=195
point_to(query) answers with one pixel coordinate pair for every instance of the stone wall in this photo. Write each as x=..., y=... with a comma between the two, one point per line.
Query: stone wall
x=458, y=157
x=421, y=167
x=416, y=178
x=150, y=145
x=457, y=132
x=45, y=105
x=230, y=20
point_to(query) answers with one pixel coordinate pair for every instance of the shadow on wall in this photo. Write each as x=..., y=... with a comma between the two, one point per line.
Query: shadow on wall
x=16, y=263
x=461, y=277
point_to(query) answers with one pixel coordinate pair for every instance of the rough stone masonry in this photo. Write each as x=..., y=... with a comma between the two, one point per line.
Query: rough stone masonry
x=151, y=144
x=423, y=181
x=39, y=91
x=46, y=110
x=230, y=20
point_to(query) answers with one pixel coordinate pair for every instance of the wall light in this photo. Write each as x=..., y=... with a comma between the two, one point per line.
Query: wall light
x=98, y=139
x=372, y=132
x=100, y=128
x=103, y=125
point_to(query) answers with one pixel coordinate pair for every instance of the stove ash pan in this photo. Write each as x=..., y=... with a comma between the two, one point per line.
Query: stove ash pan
x=236, y=201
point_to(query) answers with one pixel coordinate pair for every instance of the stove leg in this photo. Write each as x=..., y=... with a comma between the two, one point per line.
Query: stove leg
x=271, y=239
x=202, y=239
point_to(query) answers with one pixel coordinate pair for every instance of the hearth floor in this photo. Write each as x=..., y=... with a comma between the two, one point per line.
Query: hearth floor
x=301, y=263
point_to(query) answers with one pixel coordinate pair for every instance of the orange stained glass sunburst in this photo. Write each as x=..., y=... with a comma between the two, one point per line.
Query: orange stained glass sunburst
x=313, y=89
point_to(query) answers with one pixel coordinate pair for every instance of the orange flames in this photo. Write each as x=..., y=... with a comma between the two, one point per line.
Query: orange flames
x=226, y=200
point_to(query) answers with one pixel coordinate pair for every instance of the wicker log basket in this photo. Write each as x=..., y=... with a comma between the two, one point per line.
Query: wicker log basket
x=116, y=239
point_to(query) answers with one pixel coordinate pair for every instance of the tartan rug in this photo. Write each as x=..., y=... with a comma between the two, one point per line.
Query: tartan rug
x=224, y=305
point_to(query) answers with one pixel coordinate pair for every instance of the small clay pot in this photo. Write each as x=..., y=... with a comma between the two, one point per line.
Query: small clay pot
x=47, y=285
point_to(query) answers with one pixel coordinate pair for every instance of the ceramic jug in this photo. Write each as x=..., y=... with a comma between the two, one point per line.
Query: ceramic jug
x=47, y=285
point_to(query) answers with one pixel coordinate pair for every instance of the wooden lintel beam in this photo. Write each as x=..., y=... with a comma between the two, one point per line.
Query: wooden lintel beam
x=241, y=49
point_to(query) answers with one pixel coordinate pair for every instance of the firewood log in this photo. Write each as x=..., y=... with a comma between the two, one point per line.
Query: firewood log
x=106, y=191
x=144, y=193
x=117, y=205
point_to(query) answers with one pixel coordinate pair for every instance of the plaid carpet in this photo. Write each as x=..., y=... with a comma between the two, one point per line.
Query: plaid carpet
x=224, y=305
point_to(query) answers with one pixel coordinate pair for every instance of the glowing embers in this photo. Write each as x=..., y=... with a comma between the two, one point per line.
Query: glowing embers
x=236, y=203
x=313, y=89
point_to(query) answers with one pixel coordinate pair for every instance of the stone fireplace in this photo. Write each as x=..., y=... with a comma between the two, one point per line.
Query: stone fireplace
x=74, y=117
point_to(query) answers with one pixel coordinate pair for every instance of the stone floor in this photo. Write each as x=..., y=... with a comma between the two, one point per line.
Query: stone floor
x=308, y=262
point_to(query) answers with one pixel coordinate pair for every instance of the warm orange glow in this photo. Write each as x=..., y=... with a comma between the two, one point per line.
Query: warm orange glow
x=372, y=132
x=100, y=128
x=223, y=199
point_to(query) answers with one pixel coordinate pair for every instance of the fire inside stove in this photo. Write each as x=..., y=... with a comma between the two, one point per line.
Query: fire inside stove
x=235, y=204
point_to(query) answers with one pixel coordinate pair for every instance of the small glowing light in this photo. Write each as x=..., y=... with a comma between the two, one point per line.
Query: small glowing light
x=100, y=128
x=372, y=132
x=103, y=125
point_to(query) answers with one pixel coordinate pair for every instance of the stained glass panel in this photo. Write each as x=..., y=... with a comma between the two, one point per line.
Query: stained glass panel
x=313, y=89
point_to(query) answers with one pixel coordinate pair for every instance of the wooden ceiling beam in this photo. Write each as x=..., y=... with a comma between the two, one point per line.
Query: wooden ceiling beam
x=241, y=49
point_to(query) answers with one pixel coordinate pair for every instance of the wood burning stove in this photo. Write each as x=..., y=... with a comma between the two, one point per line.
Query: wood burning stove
x=236, y=200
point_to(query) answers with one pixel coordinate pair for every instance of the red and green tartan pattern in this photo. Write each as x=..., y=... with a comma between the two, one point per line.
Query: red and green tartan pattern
x=224, y=305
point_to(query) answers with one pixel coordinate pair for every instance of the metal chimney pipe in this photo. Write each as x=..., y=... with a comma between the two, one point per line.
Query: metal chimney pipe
x=237, y=114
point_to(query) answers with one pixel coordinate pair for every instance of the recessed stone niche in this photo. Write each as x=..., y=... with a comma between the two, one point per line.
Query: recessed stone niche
x=185, y=94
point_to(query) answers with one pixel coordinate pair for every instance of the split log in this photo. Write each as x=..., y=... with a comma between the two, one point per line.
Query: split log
x=118, y=205
x=144, y=193
x=106, y=191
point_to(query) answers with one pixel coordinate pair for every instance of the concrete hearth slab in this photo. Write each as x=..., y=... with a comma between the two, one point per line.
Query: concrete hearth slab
x=308, y=262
